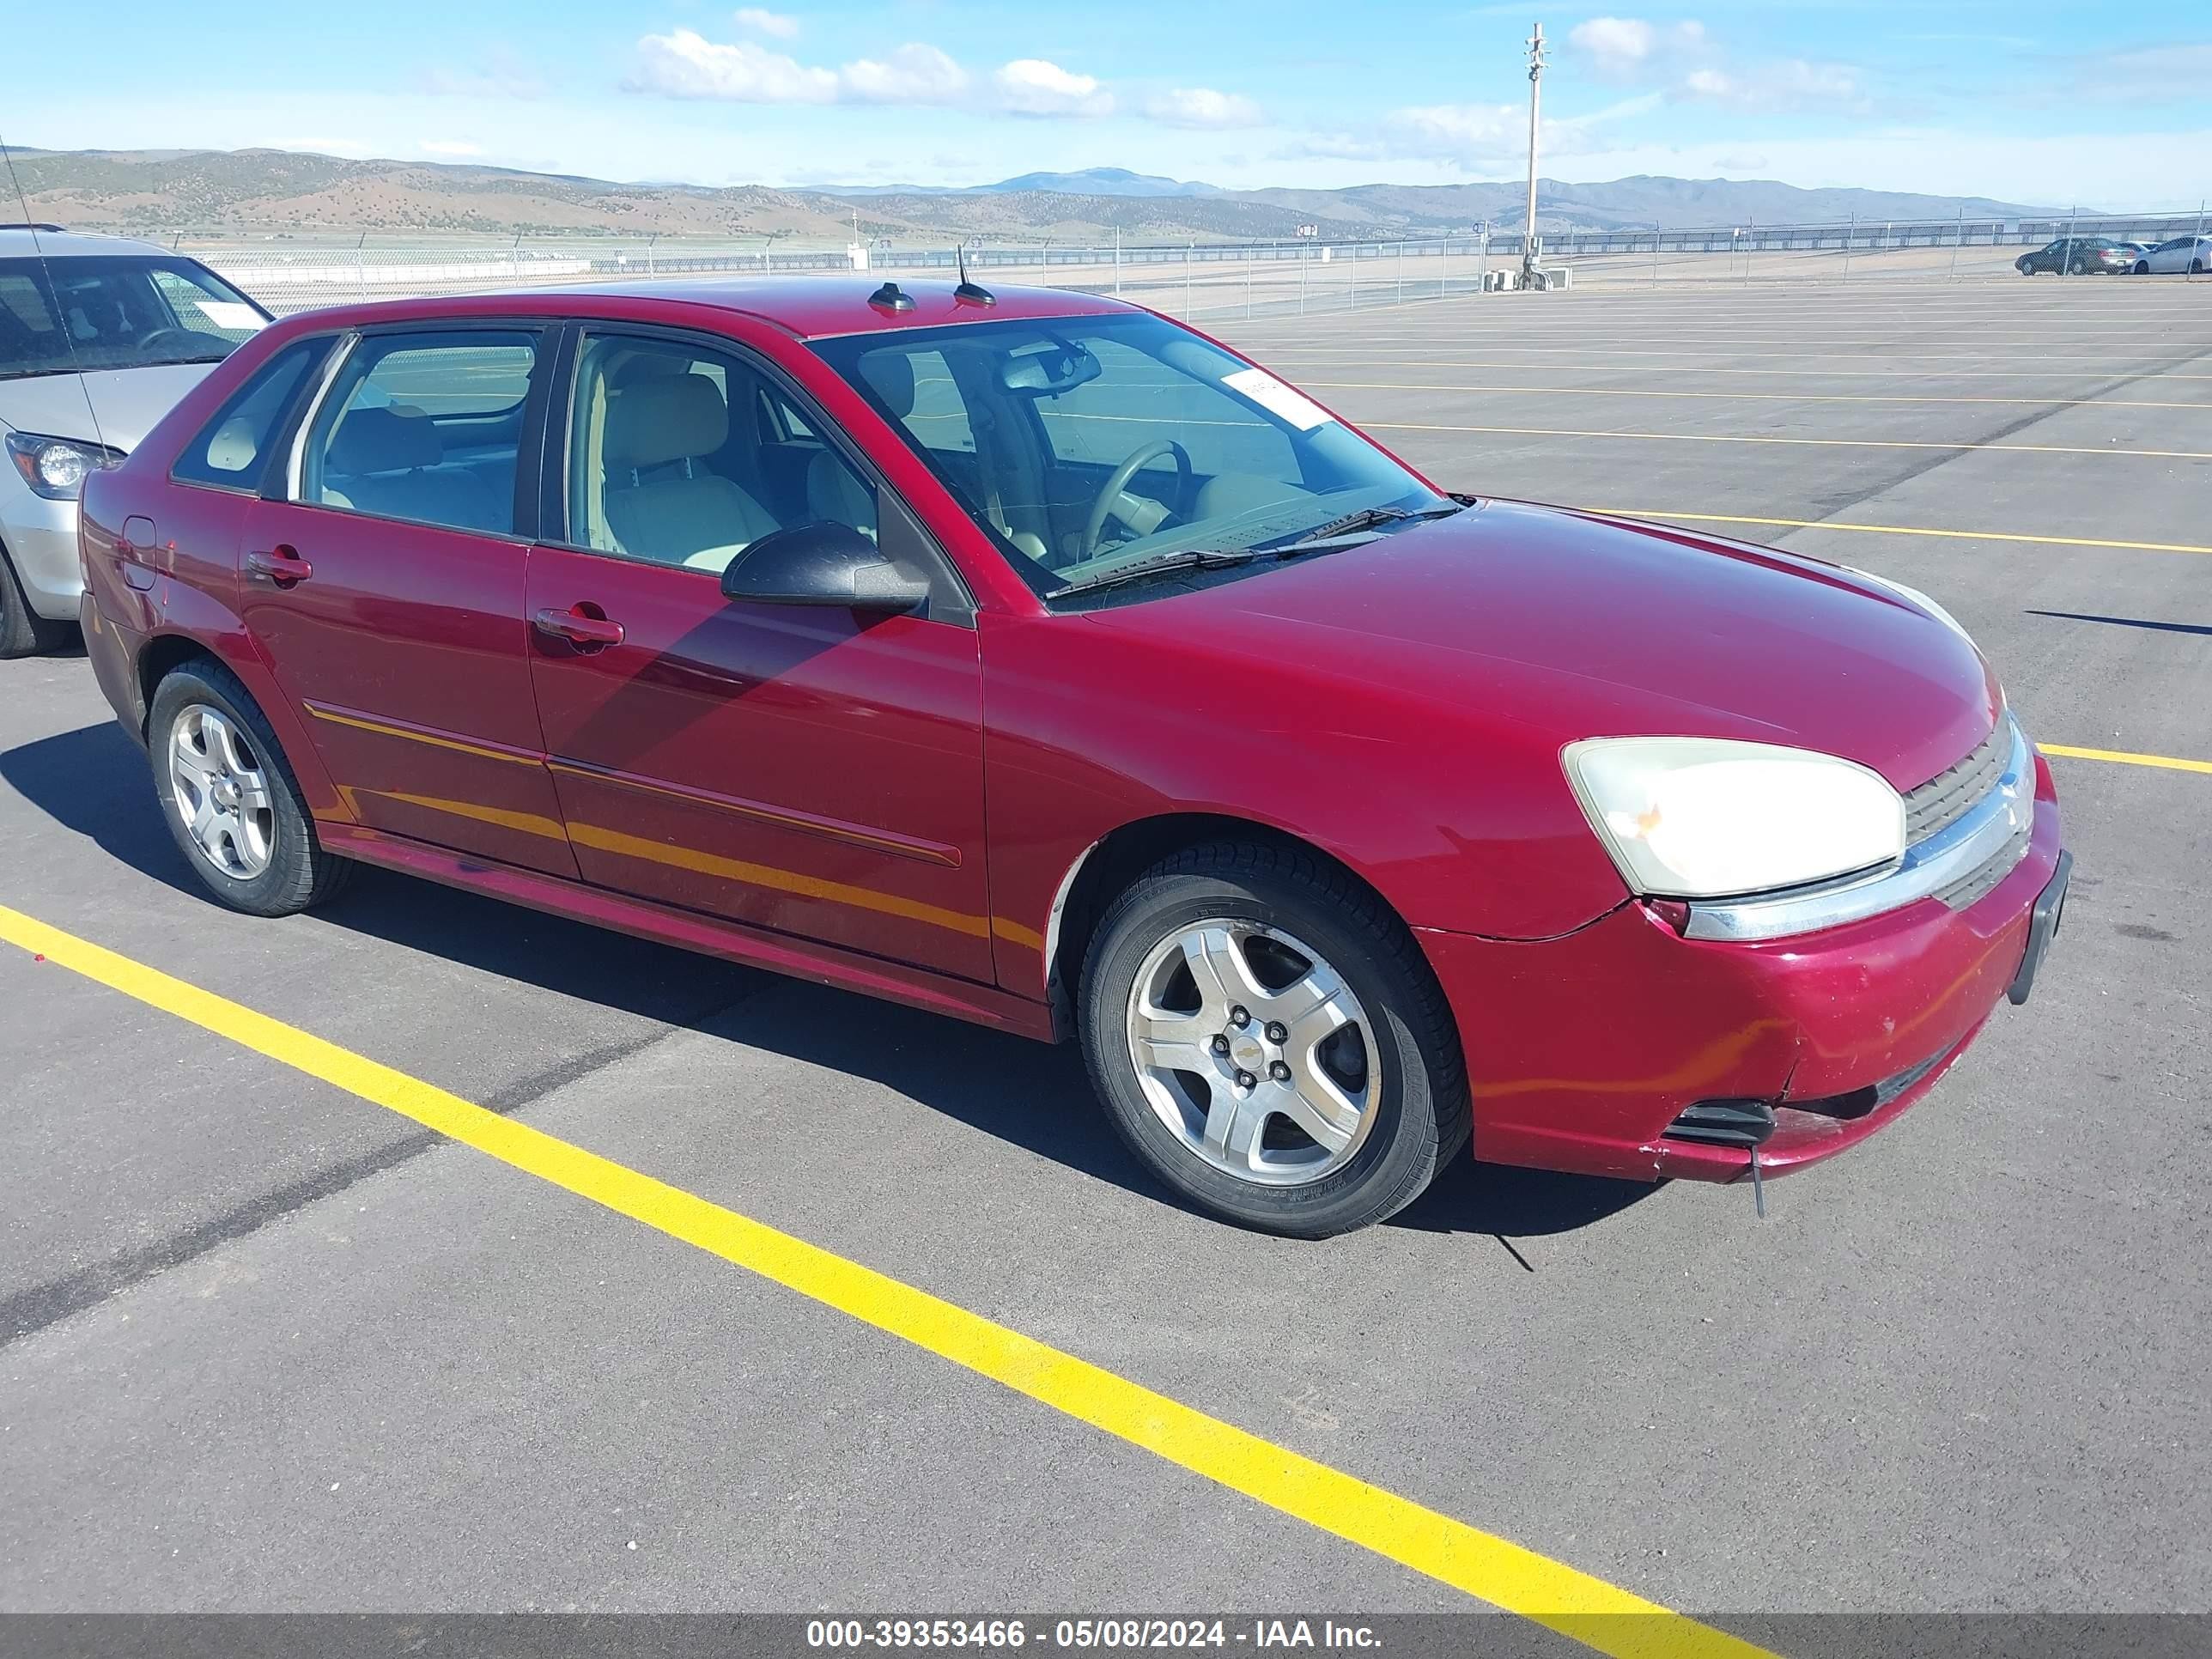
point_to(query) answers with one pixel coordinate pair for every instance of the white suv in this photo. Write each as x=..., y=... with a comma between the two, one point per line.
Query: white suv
x=98, y=338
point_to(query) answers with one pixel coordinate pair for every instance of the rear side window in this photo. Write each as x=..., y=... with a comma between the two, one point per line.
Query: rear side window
x=231, y=450
x=425, y=428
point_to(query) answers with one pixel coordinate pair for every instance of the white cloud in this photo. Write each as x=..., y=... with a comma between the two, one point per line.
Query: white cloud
x=915, y=74
x=1033, y=86
x=780, y=25
x=348, y=149
x=1620, y=48
x=686, y=65
x=1790, y=83
x=448, y=147
x=1202, y=106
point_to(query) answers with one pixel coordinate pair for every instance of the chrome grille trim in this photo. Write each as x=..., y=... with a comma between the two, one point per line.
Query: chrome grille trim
x=1950, y=795
x=1959, y=863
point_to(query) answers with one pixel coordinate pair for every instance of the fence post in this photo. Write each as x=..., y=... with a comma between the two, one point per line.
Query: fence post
x=1188, y=254
x=1482, y=261
x=2066, y=262
x=1444, y=265
x=2196, y=248
x=1401, y=273
x=1250, y=254
x=1355, y=276
x=361, y=268
x=1655, y=254
x=1850, y=236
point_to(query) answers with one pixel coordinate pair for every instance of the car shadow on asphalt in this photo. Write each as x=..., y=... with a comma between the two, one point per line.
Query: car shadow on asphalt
x=92, y=781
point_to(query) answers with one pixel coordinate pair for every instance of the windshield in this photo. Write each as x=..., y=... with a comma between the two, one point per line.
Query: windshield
x=127, y=312
x=1082, y=444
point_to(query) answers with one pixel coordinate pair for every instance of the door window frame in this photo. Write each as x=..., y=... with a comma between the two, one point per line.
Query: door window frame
x=900, y=530
x=285, y=478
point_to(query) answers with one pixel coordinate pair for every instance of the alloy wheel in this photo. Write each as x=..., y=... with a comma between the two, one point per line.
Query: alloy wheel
x=1254, y=1052
x=222, y=793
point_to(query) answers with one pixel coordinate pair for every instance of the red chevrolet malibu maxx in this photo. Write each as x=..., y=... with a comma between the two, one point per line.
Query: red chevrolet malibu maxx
x=1034, y=659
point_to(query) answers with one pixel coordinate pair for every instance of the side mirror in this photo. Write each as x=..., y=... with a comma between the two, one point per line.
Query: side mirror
x=821, y=563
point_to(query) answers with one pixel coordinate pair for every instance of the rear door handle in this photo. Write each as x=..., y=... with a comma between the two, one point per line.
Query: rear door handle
x=282, y=565
x=578, y=626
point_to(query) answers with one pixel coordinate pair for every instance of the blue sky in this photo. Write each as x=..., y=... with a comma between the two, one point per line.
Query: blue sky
x=2044, y=103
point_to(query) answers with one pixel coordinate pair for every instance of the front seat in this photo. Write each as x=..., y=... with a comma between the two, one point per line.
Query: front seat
x=660, y=503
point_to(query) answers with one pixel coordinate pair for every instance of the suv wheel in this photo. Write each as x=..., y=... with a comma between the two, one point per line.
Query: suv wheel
x=23, y=631
x=229, y=797
x=1267, y=1038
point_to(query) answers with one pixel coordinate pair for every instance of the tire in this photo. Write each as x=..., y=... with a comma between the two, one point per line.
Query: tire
x=1273, y=907
x=2143, y=268
x=2196, y=267
x=273, y=863
x=23, y=631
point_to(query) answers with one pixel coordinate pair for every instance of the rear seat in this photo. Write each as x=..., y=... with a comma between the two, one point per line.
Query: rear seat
x=384, y=462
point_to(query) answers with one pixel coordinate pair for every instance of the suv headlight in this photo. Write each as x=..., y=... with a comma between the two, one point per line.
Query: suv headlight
x=55, y=467
x=1705, y=817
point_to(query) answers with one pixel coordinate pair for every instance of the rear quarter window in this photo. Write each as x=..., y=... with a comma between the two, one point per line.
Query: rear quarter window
x=231, y=451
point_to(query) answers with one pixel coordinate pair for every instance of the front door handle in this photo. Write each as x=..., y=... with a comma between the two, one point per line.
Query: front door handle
x=579, y=625
x=282, y=565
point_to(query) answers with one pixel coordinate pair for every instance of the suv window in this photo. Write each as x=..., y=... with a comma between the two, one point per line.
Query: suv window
x=425, y=428
x=231, y=449
x=86, y=312
x=684, y=454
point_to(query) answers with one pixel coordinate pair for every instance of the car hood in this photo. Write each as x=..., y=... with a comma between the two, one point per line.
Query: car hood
x=1578, y=626
x=128, y=401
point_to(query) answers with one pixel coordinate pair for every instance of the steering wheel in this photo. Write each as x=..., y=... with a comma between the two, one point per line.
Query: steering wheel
x=1103, y=508
x=153, y=336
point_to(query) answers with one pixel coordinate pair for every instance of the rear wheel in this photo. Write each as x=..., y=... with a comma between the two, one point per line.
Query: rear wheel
x=1267, y=1038
x=2143, y=268
x=230, y=800
x=23, y=631
x=2196, y=267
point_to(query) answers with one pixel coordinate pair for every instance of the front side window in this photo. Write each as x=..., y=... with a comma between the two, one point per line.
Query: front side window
x=425, y=428
x=79, y=311
x=1083, y=444
x=682, y=453
x=232, y=449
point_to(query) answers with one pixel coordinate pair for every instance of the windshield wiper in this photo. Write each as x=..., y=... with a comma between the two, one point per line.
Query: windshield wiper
x=1368, y=518
x=1195, y=558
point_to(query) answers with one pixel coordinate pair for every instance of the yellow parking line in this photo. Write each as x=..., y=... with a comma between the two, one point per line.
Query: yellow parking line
x=1829, y=443
x=1489, y=1568
x=1891, y=530
x=1738, y=397
x=2122, y=756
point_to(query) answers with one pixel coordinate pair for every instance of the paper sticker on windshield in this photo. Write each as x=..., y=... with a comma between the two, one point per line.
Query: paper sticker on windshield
x=229, y=313
x=1272, y=395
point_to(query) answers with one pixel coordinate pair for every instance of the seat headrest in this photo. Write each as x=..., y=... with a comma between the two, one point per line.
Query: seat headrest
x=381, y=440
x=665, y=419
x=890, y=374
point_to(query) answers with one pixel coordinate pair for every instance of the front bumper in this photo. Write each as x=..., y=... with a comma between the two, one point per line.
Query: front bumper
x=40, y=536
x=1584, y=1049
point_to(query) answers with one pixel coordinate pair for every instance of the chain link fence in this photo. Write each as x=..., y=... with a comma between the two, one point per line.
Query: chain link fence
x=1194, y=280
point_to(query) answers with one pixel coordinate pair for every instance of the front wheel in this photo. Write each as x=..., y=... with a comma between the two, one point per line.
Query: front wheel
x=2143, y=268
x=229, y=797
x=1269, y=1040
x=23, y=631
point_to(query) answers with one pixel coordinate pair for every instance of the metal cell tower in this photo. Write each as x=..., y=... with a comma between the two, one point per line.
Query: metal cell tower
x=1535, y=100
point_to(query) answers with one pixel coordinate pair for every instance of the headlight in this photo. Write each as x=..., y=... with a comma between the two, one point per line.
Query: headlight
x=1702, y=817
x=55, y=467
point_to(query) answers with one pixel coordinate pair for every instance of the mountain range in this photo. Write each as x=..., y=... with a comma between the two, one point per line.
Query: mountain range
x=305, y=195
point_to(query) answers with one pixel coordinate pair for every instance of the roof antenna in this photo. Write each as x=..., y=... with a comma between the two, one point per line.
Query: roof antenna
x=969, y=294
x=60, y=322
x=891, y=297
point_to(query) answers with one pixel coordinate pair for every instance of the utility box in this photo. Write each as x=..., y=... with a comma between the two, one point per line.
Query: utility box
x=858, y=254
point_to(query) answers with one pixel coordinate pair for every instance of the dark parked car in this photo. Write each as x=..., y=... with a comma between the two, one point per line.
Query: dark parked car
x=1035, y=660
x=2078, y=256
